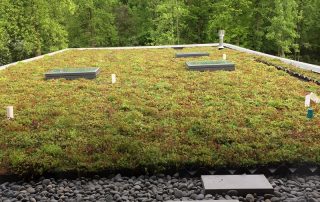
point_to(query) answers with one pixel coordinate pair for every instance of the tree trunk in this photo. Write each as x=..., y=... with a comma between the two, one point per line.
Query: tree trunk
x=91, y=28
x=177, y=23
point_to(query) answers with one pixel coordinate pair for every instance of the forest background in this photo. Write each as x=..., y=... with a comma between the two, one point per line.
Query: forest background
x=288, y=28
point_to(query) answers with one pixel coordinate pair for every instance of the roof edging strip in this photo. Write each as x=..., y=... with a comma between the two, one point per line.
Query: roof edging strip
x=301, y=65
x=32, y=59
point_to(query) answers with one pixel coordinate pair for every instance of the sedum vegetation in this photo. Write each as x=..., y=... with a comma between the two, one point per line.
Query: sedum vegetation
x=158, y=114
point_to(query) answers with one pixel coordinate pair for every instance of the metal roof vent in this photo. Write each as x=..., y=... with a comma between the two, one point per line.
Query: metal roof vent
x=221, y=36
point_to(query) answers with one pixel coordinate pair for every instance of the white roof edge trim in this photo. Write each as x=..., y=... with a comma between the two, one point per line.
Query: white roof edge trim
x=302, y=65
x=150, y=47
x=110, y=48
x=32, y=59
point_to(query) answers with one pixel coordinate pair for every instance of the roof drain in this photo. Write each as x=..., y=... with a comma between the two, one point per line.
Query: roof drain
x=221, y=36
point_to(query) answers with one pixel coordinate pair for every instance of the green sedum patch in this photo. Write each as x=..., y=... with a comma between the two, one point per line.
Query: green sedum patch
x=157, y=115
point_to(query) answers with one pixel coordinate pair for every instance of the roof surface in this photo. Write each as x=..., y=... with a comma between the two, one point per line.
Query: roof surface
x=157, y=115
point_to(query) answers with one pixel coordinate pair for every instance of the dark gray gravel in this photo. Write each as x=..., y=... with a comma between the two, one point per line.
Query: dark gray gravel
x=151, y=188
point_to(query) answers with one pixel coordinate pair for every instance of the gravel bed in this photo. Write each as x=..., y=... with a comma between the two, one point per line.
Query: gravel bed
x=151, y=188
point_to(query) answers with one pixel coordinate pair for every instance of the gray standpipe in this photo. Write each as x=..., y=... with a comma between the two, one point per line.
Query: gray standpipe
x=221, y=36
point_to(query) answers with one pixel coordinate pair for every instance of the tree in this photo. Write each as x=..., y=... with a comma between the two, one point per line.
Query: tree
x=5, y=55
x=144, y=14
x=125, y=22
x=54, y=34
x=283, y=26
x=27, y=28
x=259, y=21
x=93, y=24
x=170, y=22
x=134, y=21
x=33, y=27
x=234, y=17
x=197, y=20
x=309, y=29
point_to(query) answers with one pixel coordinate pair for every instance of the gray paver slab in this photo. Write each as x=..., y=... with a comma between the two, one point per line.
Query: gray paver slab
x=191, y=54
x=210, y=201
x=242, y=183
x=73, y=73
x=178, y=47
x=210, y=65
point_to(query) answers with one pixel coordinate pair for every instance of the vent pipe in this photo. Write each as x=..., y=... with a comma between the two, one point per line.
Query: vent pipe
x=221, y=36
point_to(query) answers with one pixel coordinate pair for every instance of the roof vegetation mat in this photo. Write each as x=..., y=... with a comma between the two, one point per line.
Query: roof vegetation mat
x=156, y=116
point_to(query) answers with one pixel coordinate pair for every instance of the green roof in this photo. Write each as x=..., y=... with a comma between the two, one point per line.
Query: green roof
x=157, y=115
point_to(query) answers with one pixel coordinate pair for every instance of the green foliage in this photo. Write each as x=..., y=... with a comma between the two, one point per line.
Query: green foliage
x=261, y=13
x=30, y=28
x=169, y=21
x=309, y=28
x=282, y=30
x=4, y=49
x=125, y=22
x=287, y=28
x=17, y=158
x=52, y=150
x=195, y=30
x=232, y=16
x=92, y=24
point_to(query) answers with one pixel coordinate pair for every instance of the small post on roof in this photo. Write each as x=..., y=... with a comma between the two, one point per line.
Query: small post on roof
x=221, y=36
x=311, y=97
x=113, y=78
x=224, y=57
x=10, y=112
